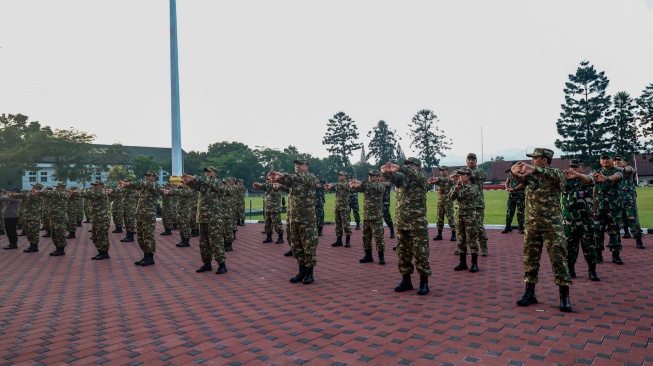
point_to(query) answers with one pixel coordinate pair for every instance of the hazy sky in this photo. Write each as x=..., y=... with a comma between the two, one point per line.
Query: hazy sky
x=271, y=73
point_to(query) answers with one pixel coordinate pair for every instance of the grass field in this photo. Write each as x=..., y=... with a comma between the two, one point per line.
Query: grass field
x=495, y=207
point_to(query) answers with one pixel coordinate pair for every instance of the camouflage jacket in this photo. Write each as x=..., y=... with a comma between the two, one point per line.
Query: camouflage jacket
x=285, y=189
x=444, y=188
x=208, y=201
x=57, y=203
x=301, y=196
x=577, y=201
x=272, y=199
x=543, y=190
x=607, y=194
x=319, y=194
x=629, y=187
x=31, y=205
x=353, y=198
x=512, y=183
x=129, y=200
x=386, y=194
x=99, y=202
x=373, y=200
x=467, y=198
x=410, y=207
x=227, y=202
x=148, y=196
x=342, y=196
x=479, y=177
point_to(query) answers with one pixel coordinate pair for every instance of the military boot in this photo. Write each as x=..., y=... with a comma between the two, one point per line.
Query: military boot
x=381, y=258
x=599, y=256
x=463, y=263
x=474, y=267
x=195, y=233
x=205, y=268
x=392, y=232
x=367, y=258
x=166, y=232
x=149, y=260
x=71, y=235
x=616, y=259
x=174, y=226
x=228, y=247
x=79, y=224
x=222, y=268
x=280, y=239
x=185, y=242
x=439, y=236
x=347, y=241
x=358, y=225
x=308, y=277
x=640, y=245
x=572, y=269
x=117, y=230
x=104, y=254
x=319, y=231
x=508, y=229
x=592, y=272
x=58, y=252
x=453, y=236
x=138, y=263
x=288, y=253
x=268, y=238
x=565, y=304
x=521, y=229
x=529, y=296
x=31, y=249
x=128, y=238
x=299, y=276
x=423, y=285
x=626, y=233
x=405, y=285
x=338, y=242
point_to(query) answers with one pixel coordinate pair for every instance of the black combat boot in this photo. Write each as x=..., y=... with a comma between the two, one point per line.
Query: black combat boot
x=118, y=230
x=572, y=269
x=166, y=232
x=405, y=284
x=529, y=296
x=599, y=256
x=463, y=263
x=439, y=236
x=11, y=246
x=128, y=238
x=521, y=229
x=423, y=285
x=288, y=253
x=103, y=254
x=474, y=267
x=228, y=247
x=71, y=235
x=592, y=272
x=347, y=241
x=626, y=233
x=299, y=276
x=565, y=304
x=149, y=260
x=195, y=233
x=392, y=232
x=367, y=258
x=174, y=227
x=508, y=229
x=46, y=235
x=640, y=245
x=31, y=249
x=205, y=268
x=280, y=239
x=222, y=268
x=79, y=224
x=358, y=225
x=319, y=231
x=381, y=258
x=453, y=236
x=185, y=242
x=616, y=259
x=268, y=238
x=138, y=263
x=338, y=242
x=58, y=252
x=308, y=277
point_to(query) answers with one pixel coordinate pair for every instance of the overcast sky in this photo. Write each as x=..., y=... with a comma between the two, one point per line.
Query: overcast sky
x=271, y=73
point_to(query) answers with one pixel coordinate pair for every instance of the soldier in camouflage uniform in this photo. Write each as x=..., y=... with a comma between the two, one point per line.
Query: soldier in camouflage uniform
x=387, y=218
x=87, y=211
x=372, y=214
x=282, y=188
x=544, y=187
x=58, y=201
x=629, y=213
x=71, y=211
x=194, y=225
x=272, y=199
x=79, y=213
x=148, y=196
x=116, y=209
x=607, y=182
x=341, y=209
x=129, y=201
x=32, y=204
x=168, y=208
x=445, y=205
x=240, y=187
x=516, y=200
x=577, y=203
x=412, y=227
x=21, y=215
x=353, y=205
x=98, y=199
x=466, y=194
x=303, y=228
x=185, y=199
x=45, y=214
x=226, y=207
x=319, y=204
x=209, y=218
x=479, y=177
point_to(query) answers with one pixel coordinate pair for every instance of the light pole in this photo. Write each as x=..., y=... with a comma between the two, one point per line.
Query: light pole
x=177, y=161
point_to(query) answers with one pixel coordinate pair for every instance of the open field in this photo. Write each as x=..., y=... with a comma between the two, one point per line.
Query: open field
x=495, y=207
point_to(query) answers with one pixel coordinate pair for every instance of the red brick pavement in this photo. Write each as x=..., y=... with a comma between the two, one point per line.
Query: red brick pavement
x=77, y=311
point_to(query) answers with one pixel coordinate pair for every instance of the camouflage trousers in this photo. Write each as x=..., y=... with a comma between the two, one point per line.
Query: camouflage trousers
x=212, y=243
x=100, y=234
x=482, y=234
x=273, y=221
x=145, y=225
x=31, y=229
x=386, y=216
x=515, y=202
x=87, y=211
x=630, y=219
x=578, y=232
x=609, y=220
x=58, y=230
x=445, y=207
x=303, y=242
x=117, y=215
x=373, y=228
x=228, y=229
x=79, y=213
x=319, y=215
x=183, y=220
x=129, y=219
x=342, y=223
x=414, y=243
x=467, y=230
x=168, y=217
x=241, y=212
x=557, y=249
x=71, y=224
x=354, y=209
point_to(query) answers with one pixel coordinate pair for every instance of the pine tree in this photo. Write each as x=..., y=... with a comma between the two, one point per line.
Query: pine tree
x=363, y=155
x=341, y=138
x=623, y=137
x=383, y=143
x=428, y=140
x=399, y=155
x=645, y=116
x=581, y=123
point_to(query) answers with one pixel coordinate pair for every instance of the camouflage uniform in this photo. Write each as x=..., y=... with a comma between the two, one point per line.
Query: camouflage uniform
x=193, y=218
x=71, y=212
x=79, y=213
x=319, y=206
x=98, y=201
x=386, y=207
x=577, y=203
x=185, y=199
x=148, y=196
x=467, y=217
x=342, y=207
x=479, y=177
x=116, y=207
x=129, y=202
x=168, y=208
x=226, y=213
x=372, y=215
x=209, y=218
x=515, y=201
x=630, y=217
x=273, y=209
x=45, y=212
x=240, y=201
x=445, y=204
x=411, y=224
x=31, y=205
x=353, y=205
x=608, y=196
x=57, y=204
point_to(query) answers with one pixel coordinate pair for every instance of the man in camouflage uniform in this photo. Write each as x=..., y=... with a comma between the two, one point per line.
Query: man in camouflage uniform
x=129, y=202
x=341, y=209
x=629, y=213
x=79, y=213
x=31, y=204
x=607, y=182
x=45, y=214
x=98, y=199
x=87, y=211
x=226, y=207
x=387, y=218
x=168, y=208
x=282, y=188
x=148, y=196
x=577, y=202
x=185, y=199
x=412, y=227
x=516, y=199
x=353, y=205
x=240, y=187
x=208, y=218
x=58, y=201
x=71, y=211
x=445, y=205
x=272, y=199
x=116, y=209
x=544, y=187
x=194, y=225
x=479, y=177
x=372, y=214
x=319, y=204
x=303, y=228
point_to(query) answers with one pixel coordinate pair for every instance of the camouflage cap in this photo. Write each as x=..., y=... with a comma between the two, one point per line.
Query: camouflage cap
x=538, y=151
x=443, y=167
x=464, y=171
x=62, y=184
x=97, y=183
x=374, y=173
x=342, y=173
x=151, y=172
x=127, y=179
x=471, y=156
x=211, y=169
x=37, y=185
x=413, y=161
x=240, y=180
x=574, y=163
x=300, y=160
x=607, y=154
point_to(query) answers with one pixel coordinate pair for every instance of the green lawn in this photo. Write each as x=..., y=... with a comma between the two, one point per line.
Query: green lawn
x=495, y=207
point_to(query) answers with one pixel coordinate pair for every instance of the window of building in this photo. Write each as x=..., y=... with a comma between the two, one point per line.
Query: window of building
x=44, y=173
x=31, y=174
x=32, y=179
x=44, y=179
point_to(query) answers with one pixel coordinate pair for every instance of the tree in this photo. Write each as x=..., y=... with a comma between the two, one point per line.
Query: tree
x=193, y=163
x=70, y=151
x=429, y=141
x=363, y=158
x=399, y=155
x=223, y=148
x=623, y=137
x=383, y=144
x=645, y=116
x=23, y=144
x=341, y=138
x=119, y=172
x=581, y=123
x=115, y=154
x=141, y=164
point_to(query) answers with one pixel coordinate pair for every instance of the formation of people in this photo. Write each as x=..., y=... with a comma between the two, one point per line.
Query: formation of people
x=560, y=210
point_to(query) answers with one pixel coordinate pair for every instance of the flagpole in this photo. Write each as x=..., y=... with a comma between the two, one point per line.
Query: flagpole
x=177, y=161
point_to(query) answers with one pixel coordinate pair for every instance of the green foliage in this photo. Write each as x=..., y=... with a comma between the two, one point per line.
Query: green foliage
x=623, y=136
x=581, y=123
x=341, y=137
x=119, y=172
x=427, y=138
x=141, y=164
x=645, y=116
x=115, y=154
x=22, y=143
x=383, y=146
x=399, y=155
x=70, y=150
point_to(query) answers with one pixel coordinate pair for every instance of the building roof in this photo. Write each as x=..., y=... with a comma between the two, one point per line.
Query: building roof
x=160, y=154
